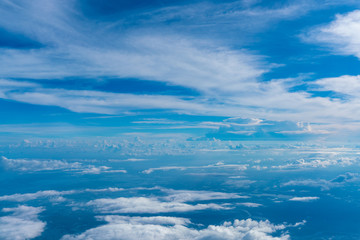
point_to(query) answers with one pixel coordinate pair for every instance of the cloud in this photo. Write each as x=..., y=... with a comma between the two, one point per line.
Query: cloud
x=227, y=80
x=35, y=165
x=146, y=205
x=338, y=181
x=18, y=197
x=303, y=199
x=319, y=162
x=240, y=183
x=347, y=85
x=158, y=220
x=239, y=167
x=22, y=223
x=342, y=35
x=250, y=204
x=127, y=228
x=254, y=128
x=39, y=165
x=191, y=196
x=52, y=194
x=179, y=59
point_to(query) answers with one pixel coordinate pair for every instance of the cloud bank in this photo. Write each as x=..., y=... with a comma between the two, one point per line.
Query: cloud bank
x=22, y=223
x=127, y=228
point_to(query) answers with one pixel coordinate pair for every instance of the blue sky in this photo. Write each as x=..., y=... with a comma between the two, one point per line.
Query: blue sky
x=233, y=70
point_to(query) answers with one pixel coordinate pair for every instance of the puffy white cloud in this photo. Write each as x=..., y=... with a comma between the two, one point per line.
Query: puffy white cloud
x=342, y=34
x=250, y=204
x=39, y=165
x=239, y=167
x=346, y=84
x=145, y=220
x=303, y=199
x=190, y=196
x=18, y=197
x=35, y=165
x=158, y=228
x=243, y=183
x=53, y=195
x=325, y=184
x=146, y=205
x=320, y=162
x=21, y=224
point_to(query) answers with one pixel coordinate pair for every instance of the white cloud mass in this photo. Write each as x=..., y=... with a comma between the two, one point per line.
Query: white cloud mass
x=170, y=228
x=146, y=205
x=21, y=224
x=303, y=199
x=342, y=35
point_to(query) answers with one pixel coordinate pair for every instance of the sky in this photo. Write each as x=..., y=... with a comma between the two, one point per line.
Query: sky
x=179, y=119
x=251, y=69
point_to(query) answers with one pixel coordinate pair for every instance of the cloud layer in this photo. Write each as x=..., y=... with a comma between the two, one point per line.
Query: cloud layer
x=22, y=223
x=120, y=227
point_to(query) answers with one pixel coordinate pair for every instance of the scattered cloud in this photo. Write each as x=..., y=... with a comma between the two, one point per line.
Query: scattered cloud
x=191, y=196
x=243, y=183
x=23, y=197
x=303, y=199
x=176, y=228
x=35, y=165
x=341, y=35
x=146, y=205
x=319, y=162
x=250, y=204
x=324, y=184
x=239, y=167
x=22, y=223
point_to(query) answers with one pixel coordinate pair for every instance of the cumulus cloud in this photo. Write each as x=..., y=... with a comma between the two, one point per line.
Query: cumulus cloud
x=128, y=228
x=23, y=197
x=324, y=184
x=250, y=204
x=35, y=165
x=342, y=34
x=52, y=194
x=21, y=224
x=191, y=196
x=319, y=163
x=303, y=199
x=244, y=183
x=239, y=167
x=146, y=205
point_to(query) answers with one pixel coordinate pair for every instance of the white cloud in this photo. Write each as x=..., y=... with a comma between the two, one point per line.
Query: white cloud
x=146, y=205
x=191, y=196
x=21, y=224
x=160, y=56
x=245, y=183
x=250, y=204
x=39, y=165
x=158, y=228
x=346, y=84
x=227, y=79
x=18, y=197
x=239, y=167
x=35, y=165
x=320, y=162
x=303, y=199
x=338, y=181
x=342, y=34
x=52, y=194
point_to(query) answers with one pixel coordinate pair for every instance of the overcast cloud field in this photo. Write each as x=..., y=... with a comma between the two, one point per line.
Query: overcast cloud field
x=177, y=119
